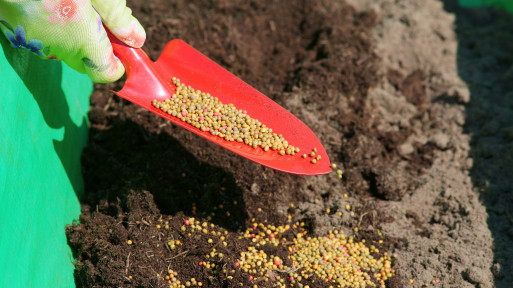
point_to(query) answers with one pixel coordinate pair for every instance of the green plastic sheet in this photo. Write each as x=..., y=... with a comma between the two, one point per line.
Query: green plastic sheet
x=502, y=4
x=43, y=130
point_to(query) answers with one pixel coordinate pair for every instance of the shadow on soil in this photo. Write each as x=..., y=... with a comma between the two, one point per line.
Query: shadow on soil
x=485, y=63
x=126, y=157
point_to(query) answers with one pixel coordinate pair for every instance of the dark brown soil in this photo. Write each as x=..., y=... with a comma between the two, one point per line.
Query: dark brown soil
x=138, y=168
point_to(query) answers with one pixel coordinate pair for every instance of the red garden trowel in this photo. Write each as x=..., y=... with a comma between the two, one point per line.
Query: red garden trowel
x=148, y=80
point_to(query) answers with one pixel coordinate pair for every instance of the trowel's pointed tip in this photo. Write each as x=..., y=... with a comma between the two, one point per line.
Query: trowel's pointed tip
x=296, y=164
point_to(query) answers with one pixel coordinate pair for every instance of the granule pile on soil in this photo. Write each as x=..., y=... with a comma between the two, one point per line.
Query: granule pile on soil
x=142, y=248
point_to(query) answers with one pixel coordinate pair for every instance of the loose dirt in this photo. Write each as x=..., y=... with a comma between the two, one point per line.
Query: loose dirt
x=389, y=89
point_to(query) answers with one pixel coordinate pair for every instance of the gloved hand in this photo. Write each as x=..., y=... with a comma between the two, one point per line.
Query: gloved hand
x=72, y=31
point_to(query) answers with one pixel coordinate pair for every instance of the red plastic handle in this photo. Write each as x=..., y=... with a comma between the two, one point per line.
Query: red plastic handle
x=140, y=69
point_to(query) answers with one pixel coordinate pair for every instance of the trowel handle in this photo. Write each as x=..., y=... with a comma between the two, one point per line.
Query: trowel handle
x=140, y=70
x=129, y=56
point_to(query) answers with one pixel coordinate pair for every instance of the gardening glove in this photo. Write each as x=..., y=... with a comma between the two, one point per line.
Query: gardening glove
x=72, y=31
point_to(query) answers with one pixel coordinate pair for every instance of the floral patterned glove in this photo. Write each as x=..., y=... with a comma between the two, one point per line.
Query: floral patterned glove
x=72, y=31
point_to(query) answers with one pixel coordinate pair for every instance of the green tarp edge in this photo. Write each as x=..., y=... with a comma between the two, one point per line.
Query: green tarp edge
x=502, y=4
x=43, y=130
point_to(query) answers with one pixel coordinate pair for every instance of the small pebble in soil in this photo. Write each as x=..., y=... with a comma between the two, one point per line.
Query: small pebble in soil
x=210, y=115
